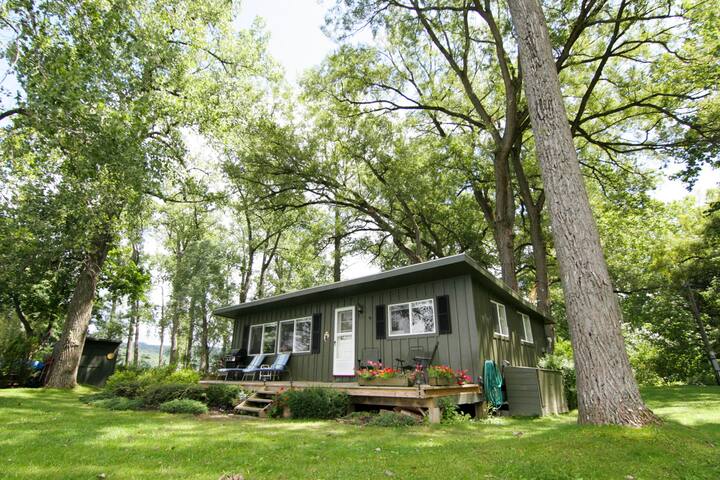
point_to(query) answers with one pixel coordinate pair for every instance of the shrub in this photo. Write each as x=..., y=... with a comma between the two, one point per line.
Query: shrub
x=124, y=383
x=562, y=359
x=118, y=403
x=132, y=383
x=184, y=406
x=15, y=361
x=450, y=413
x=94, y=397
x=154, y=395
x=317, y=402
x=387, y=418
x=224, y=397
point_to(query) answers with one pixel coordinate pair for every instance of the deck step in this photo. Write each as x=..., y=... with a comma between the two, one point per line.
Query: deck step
x=258, y=404
x=247, y=408
x=261, y=400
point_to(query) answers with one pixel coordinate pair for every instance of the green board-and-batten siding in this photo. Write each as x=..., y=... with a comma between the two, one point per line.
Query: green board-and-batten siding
x=470, y=342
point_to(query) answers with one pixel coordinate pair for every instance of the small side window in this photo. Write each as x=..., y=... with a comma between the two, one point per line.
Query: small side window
x=501, y=325
x=527, y=329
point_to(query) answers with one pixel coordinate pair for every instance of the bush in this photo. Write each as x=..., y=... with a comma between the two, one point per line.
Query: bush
x=132, y=383
x=224, y=397
x=562, y=359
x=387, y=418
x=94, y=397
x=15, y=361
x=118, y=403
x=124, y=383
x=450, y=413
x=317, y=402
x=184, y=406
x=154, y=395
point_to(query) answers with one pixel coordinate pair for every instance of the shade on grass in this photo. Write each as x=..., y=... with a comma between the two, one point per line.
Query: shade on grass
x=50, y=434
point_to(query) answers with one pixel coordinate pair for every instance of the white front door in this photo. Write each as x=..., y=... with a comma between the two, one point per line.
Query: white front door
x=344, y=353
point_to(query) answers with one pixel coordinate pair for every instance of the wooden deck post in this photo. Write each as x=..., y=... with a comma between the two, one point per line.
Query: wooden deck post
x=481, y=410
x=434, y=414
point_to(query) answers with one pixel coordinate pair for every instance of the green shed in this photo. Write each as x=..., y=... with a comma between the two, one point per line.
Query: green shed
x=97, y=362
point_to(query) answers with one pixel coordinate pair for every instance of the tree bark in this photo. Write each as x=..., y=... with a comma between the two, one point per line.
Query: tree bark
x=607, y=390
x=176, y=299
x=21, y=316
x=136, y=348
x=712, y=357
x=129, y=344
x=191, y=332
x=337, y=247
x=135, y=311
x=162, y=344
x=502, y=222
x=162, y=325
x=68, y=349
x=174, y=330
x=204, y=346
x=534, y=212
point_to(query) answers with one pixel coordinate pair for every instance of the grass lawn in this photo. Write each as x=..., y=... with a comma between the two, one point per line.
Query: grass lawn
x=47, y=434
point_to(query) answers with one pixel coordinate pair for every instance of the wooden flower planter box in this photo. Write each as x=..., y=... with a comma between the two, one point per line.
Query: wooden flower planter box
x=441, y=381
x=385, y=382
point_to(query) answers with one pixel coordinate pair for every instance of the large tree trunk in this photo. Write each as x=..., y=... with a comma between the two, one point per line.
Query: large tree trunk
x=607, y=390
x=204, y=346
x=136, y=348
x=162, y=344
x=501, y=217
x=505, y=221
x=712, y=357
x=174, y=330
x=135, y=311
x=67, y=351
x=129, y=343
x=162, y=326
x=534, y=207
x=191, y=332
x=337, y=247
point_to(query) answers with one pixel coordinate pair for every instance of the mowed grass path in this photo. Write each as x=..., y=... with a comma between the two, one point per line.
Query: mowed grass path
x=47, y=434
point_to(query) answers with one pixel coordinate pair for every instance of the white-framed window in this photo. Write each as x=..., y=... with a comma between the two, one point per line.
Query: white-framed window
x=295, y=335
x=411, y=318
x=527, y=329
x=501, y=325
x=262, y=338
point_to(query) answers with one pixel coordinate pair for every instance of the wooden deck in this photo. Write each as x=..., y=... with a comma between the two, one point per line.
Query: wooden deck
x=424, y=397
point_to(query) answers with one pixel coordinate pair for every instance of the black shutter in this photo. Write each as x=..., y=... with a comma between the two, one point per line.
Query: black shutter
x=316, y=332
x=245, y=338
x=380, y=328
x=443, y=315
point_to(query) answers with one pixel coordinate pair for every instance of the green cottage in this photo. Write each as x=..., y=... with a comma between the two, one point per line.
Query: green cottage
x=451, y=306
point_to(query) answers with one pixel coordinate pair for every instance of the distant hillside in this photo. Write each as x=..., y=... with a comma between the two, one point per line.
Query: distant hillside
x=149, y=354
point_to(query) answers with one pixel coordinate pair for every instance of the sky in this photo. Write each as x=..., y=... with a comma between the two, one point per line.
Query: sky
x=298, y=43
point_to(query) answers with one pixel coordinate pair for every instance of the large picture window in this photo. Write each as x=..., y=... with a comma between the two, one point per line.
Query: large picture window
x=412, y=318
x=295, y=335
x=262, y=339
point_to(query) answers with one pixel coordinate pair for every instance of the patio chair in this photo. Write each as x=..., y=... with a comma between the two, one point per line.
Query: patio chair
x=370, y=354
x=278, y=367
x=409, y=362
x=253, y=367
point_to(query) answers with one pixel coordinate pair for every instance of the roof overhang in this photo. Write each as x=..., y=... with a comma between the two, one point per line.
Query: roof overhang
x=446, y=267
